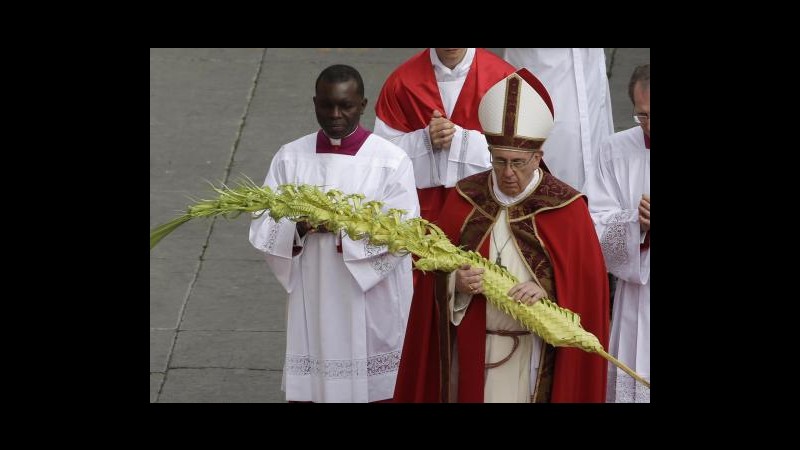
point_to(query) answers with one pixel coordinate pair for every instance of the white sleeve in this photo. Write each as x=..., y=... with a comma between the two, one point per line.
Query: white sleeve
x=617, y=228
x=369, y=264
x=468, y=155
x=457, y=301
x=417, y=145
x=275, y=239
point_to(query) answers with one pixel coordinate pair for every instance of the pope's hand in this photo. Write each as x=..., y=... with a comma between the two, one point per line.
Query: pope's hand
x=527, y=292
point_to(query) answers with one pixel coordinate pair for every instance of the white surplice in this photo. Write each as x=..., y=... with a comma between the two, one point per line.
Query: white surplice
x=347, y=311
x=468, y=153
x=577, y=83
x=622, y=176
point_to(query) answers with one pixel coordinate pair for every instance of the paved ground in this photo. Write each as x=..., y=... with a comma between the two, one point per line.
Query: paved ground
x=217, y=315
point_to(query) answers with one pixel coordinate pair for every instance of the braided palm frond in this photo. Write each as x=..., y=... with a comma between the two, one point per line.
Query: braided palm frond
x=337, y=211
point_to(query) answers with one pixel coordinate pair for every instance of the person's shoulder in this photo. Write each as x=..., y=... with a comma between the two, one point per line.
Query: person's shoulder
x=488, y=55
x=387, y=147
x=626, y=135
x=490, y=59
x=553, y=193
x=409, y=66
x=564, y=190
x=475, y=187
x=297, y=144
x=475, y=178
x=620, y=140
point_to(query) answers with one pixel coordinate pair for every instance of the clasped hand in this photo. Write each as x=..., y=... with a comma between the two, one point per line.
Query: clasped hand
x=644, y=212
x=304, y=228
x=441, y=131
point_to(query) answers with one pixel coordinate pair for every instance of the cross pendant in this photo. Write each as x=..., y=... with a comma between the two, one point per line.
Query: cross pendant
x=497, y=261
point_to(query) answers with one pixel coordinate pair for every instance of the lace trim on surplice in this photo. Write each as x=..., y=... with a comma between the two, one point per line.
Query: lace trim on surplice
x=274, y=228
x=462, y=151
x=382, y=264
x=614, y=241
x=433, y=166
x=622, y=388
x=304, y=365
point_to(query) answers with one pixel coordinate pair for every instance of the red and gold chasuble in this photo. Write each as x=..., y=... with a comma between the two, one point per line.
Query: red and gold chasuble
x=555, y=234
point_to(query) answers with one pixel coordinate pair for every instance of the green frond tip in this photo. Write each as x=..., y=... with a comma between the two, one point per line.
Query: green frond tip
x=161, y=231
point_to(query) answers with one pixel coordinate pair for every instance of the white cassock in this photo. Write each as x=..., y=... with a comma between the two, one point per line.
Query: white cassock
x=577, y=82
x=468, y=152
x=623, y=175
x=347, y=311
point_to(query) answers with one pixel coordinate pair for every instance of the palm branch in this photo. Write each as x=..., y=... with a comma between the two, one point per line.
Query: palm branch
x=337, y=211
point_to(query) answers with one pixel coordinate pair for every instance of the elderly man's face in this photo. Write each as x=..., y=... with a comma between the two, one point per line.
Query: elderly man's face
x=338, y=107
x=514, y=169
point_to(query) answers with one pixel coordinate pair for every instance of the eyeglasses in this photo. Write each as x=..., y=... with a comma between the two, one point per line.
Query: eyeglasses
x=641, y=118
x=516, y=164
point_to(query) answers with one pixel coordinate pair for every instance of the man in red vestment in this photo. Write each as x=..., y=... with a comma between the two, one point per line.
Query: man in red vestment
x=429, y=107
x=521, y=217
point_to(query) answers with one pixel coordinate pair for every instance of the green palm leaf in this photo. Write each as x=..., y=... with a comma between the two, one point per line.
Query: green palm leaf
x=337, y=211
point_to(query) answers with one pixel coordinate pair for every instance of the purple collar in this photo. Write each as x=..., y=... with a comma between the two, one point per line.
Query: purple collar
x=348, y=145
x=646, y=141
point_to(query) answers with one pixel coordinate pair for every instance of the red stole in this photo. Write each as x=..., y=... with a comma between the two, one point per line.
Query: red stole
x=410, y=94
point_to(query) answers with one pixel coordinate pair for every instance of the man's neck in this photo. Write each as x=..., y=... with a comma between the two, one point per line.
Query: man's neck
x=348, y=145
x=464, y=62
x=505, y=199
